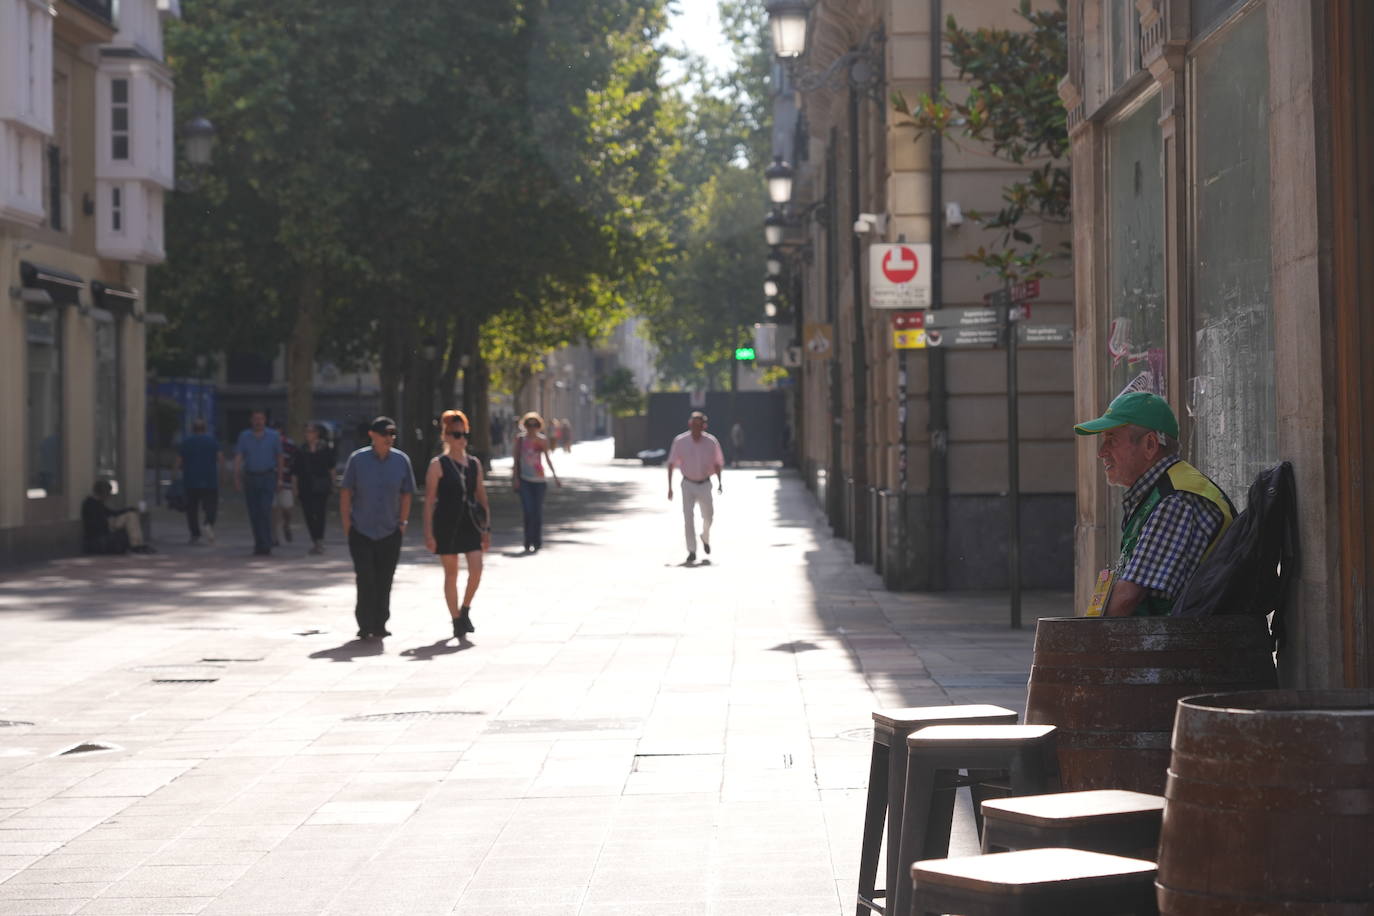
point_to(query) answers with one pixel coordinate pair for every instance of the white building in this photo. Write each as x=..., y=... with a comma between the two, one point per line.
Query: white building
x=86, y=156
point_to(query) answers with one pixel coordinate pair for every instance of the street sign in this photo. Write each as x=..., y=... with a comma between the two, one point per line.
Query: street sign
x=962, y=318
x=899, y=276
x=1017, y=292
x=818, y=338
x=965, y=337
x=766, y=342
x=1044, y=333
x=909, y=339
x=906, y=321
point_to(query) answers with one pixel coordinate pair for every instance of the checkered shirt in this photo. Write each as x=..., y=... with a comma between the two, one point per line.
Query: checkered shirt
x=1174, y=537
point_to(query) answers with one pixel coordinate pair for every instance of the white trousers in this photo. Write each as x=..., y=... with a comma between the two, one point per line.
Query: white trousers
x=696, y=494
x=131, y=525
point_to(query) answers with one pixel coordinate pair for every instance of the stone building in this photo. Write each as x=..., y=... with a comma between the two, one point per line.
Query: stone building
x=1223, y=165
x=862, y=178
x=86, y=156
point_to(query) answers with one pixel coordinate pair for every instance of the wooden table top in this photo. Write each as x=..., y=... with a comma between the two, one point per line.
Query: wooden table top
x=1028, y=870
x=1063, y=808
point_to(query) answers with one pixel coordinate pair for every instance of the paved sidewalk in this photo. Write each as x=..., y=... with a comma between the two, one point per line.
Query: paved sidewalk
x=623, y=734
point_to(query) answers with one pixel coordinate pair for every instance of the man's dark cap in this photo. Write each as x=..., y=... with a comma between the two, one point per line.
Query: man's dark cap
x=383, y=425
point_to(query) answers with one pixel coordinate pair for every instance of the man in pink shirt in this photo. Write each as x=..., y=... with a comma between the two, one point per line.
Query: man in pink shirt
x=697, y=453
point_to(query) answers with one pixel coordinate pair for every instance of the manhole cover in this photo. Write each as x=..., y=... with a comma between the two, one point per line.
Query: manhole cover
x=546, y=726
x=413, y=714
x=176, y=670
x=185, y=680
x=12, y=723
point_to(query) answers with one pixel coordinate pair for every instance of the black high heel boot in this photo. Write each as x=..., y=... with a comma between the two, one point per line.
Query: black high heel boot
x=465, y=618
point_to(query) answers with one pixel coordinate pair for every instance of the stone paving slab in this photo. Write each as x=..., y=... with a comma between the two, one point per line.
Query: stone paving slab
x=622, y=734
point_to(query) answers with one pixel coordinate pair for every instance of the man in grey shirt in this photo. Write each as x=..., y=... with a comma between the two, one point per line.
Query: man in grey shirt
x=374, y=500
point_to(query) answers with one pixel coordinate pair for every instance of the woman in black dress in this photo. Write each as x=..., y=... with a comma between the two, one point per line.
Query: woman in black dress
x=312, y=473
x=452, y=482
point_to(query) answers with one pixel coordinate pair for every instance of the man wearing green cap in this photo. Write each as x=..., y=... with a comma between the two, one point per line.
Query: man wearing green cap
x=1174, y=514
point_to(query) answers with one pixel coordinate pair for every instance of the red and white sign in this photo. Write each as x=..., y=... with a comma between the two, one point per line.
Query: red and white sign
x=899, y=276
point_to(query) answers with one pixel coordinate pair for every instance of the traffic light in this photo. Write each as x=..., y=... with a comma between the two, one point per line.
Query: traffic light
x=744, y=354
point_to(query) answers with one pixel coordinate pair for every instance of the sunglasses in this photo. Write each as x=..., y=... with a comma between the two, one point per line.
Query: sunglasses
x=457, y=434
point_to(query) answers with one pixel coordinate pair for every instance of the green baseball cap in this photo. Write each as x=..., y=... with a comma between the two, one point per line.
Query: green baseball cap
x=1134, y=408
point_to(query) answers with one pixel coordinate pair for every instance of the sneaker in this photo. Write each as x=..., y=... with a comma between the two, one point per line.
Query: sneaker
x=209, y=533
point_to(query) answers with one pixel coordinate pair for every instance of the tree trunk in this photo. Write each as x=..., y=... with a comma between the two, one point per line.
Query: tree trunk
x=389, y=375
x=301, y=348
x=479, y=381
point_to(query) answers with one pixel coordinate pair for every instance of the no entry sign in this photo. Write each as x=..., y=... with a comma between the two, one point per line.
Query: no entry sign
x=899, y=276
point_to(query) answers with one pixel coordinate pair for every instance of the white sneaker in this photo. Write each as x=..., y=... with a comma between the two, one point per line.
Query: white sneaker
x=209, y=532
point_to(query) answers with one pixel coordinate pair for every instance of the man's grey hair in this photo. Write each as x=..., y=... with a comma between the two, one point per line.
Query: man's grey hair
x=1167, y=444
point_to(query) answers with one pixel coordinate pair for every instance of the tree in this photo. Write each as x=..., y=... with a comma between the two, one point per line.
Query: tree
x=620, y=393
x=1013, y=107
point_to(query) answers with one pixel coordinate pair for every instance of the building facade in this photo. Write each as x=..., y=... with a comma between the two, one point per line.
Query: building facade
x=907, y=449
x=1223, y=162
x=86, y=155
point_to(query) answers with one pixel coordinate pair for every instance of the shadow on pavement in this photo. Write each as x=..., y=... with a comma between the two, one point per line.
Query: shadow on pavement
x=436, y=649
x=354, y=648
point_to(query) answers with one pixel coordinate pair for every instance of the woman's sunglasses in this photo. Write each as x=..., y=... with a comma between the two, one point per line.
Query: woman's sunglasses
x=457, y=434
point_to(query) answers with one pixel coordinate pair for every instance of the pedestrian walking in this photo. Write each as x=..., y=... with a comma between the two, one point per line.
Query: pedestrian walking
x=285, y=499
x=106, y=530
x=312, y=470
x=736, y=443
x=257, y=474
x=1173, y=513
x=697, y=454
x=498, y=435
x=374, y=503
x=566, y=430
x=456, y=516
x=200, y=462
x=532, y=451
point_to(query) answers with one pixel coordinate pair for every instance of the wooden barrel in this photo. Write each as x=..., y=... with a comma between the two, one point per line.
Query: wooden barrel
x=1270, y=805
x=1111, y=684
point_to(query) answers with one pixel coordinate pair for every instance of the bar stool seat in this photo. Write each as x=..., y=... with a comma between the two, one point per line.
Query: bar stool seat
x=1024, y=755
x=1034, y=882
x=886, y=779
x=1113, y=821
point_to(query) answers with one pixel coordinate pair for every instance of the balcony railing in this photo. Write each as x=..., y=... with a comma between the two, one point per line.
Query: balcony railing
x=101, y=9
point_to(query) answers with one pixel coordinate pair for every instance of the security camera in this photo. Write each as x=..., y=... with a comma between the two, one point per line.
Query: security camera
x=870, y=222
x=954, y=214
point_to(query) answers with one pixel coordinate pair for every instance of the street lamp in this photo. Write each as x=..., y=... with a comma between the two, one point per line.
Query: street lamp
x=779, y=176
x=200, y=140
x=787, y=20
x=774, y=264
x=770, y=309
x=774, y=227
x=430, y=349
x=770, y=288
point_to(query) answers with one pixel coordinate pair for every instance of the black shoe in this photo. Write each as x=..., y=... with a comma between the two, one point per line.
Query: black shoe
x=458, y=629
x=691, y=558
x=465, y=618
x=707, y=547
x=363, y=634
x=262, y=552
x=382, y=633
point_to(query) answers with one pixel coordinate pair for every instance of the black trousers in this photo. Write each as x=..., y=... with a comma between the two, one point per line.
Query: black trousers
x=196, y=499
x=374, y=566
x=313, y=507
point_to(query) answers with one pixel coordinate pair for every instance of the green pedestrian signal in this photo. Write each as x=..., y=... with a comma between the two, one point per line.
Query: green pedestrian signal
x=744, y=354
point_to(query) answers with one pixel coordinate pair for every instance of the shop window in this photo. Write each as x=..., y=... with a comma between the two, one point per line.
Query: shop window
x=44, y=402
x=1231, y=391
x=1136, y=338
x=107, y=411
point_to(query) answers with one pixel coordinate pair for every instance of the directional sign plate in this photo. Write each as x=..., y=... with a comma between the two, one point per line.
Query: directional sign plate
x=1044, y=333
x=990, y=336
x=909, y=339
x=962, y=318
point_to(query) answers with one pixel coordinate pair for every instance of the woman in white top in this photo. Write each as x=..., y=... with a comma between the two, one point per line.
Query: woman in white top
x=531, y=452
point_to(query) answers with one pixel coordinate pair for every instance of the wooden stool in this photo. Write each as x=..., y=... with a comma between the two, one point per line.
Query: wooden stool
x=887, y=775
x=1034, y=882
x=935, y=755
x=1101, y=820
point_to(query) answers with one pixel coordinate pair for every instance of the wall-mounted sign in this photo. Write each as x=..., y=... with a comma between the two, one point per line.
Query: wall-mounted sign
x=818, y=339
x=899, y=276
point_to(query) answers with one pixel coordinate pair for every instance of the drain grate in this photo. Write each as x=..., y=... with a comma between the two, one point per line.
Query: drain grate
x=185, y=680
x=413, y=714
x=13, y=723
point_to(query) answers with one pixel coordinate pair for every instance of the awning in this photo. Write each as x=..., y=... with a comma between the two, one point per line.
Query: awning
x=65, y=288
x=116, y=299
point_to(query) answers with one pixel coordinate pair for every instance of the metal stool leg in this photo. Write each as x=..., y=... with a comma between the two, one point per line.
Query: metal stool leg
x=879, y=804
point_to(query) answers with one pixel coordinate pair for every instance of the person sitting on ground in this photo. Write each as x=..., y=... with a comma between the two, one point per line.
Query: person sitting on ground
x=106, y=530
